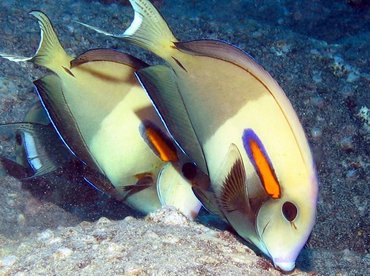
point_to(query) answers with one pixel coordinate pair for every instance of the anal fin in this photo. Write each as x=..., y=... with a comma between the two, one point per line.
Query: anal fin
x=100, y=182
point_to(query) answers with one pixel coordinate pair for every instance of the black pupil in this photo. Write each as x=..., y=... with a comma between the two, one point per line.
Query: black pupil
x=189, y=171
x=289, y=211
x=18, y=139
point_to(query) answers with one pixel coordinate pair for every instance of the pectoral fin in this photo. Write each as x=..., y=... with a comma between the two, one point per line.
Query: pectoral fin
x=144, y=181
x=208, y=200
x=231, y=183
x=160, y=84
x=51, y=94
x=174, y=190
x=232, y=195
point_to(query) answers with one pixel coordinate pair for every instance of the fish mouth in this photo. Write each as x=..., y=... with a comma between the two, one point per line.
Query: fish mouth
x=284, y=267
x=264, y=249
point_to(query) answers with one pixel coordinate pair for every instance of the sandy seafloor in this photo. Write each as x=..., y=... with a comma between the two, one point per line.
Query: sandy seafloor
x=319, y=52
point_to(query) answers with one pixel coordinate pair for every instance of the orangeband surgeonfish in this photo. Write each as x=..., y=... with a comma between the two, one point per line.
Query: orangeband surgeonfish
x=232, y=118
x=104, y=117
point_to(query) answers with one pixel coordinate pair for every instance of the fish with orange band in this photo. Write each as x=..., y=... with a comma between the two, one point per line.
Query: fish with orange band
x=236, y=123
x=105, y=119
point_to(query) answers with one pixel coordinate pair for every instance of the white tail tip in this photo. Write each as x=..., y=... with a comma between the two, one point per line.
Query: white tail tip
x=15, y=58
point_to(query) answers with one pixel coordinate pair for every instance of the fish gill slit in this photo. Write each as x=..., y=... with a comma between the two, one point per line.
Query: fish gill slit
x=264, y=228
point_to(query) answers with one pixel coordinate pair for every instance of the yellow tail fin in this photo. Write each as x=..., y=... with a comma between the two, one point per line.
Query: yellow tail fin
x=50, y=52
x=148, y=29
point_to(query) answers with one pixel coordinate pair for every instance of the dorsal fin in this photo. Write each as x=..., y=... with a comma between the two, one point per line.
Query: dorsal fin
x=108, y=55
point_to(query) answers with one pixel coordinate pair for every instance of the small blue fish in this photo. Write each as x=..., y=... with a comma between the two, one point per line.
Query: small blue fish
x=38, y=149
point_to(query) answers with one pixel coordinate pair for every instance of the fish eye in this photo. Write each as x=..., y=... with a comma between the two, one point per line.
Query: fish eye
x=18, y=139
x=289, y=211
x=189, y=171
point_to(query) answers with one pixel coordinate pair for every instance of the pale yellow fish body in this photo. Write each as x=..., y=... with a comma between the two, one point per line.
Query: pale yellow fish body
x=114, y=124
x=112, y=132
x=234, y=120
x=245, y=105
x=239, y=104
x=115, y=128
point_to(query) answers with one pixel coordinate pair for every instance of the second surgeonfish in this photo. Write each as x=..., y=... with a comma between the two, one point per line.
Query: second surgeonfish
x=38, y=148
x=233, y=119
x=105, y=119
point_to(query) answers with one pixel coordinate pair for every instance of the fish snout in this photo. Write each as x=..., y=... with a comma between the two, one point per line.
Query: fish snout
x=284, y=266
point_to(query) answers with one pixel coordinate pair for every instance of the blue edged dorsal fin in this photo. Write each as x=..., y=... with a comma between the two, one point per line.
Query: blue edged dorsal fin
x=224, y=51
x=160, y=84
x=51, y=95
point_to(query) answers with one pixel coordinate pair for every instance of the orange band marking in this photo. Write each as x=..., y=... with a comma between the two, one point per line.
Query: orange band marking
x=268, y=180
x=164, y=150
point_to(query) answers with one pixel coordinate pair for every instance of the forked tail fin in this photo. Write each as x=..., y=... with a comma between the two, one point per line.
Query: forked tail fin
x=148, y=29
x=50, y=52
